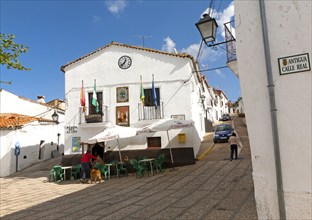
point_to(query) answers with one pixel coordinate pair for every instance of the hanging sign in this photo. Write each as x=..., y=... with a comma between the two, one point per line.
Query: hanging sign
x=294, y=64
x=71, y=129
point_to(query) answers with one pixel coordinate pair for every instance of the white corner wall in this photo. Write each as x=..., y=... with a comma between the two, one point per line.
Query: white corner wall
x=29, y=138
x=289, y=31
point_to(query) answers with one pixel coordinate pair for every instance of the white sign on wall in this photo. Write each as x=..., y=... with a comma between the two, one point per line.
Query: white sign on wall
x=294, y=64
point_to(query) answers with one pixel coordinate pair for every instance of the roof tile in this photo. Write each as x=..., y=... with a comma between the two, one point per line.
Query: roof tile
x=13, y=120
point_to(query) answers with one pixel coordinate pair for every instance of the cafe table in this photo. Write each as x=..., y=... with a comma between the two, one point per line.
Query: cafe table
x=109, y=166
x=150, y=160
x=66, y=169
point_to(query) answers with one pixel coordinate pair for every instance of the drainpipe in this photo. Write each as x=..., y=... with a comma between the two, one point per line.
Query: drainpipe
x=278, y=166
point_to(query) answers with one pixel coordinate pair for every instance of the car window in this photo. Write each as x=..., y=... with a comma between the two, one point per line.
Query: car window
x=223, y=127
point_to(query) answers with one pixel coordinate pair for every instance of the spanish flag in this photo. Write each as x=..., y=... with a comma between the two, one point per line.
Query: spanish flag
x=82, y=99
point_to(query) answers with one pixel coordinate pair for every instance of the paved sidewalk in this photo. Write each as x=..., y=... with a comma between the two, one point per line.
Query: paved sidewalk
x=213, y=188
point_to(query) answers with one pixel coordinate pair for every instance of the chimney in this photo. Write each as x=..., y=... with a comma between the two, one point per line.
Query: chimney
x=41, y=99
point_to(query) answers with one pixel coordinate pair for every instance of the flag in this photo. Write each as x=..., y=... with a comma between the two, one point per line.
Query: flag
x=94, y=99
x=82, y=99
x=154, y=93
x=142, y=92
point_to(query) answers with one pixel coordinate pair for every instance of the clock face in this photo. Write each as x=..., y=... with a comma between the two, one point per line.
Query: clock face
x=124, y=62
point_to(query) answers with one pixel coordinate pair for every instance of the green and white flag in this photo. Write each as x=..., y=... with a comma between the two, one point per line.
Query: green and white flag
x=94, y=99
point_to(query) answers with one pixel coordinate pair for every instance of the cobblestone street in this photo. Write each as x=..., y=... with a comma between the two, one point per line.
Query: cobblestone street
x=213, y=188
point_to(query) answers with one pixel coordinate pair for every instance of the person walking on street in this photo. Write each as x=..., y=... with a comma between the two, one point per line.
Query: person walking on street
x=233, y=140
x=86, y=165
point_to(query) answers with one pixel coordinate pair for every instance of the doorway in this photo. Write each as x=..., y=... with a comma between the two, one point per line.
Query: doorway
x=98, y=149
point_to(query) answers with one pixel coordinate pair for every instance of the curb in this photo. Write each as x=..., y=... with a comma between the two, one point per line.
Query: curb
x=205, y=153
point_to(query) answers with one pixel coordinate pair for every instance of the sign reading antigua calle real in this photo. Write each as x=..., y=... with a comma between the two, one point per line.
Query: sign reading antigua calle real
x=294, y=64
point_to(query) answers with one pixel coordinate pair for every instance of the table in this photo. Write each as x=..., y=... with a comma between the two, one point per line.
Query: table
x=67, y=168
x=108, y=167
x=150, y=160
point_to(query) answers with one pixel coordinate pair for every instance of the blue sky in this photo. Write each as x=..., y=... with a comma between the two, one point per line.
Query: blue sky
x=58, y=32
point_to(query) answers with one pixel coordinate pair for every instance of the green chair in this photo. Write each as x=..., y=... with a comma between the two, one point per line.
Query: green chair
x=103, y=169
x=115, y=169
x=76, y=171
x=123, y=169
x=139, y=168
x=58, y=173
x=158, y=163
x=51, y=175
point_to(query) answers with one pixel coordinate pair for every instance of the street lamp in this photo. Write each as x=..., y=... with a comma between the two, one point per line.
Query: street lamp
x=207, y=27
x=55, y=117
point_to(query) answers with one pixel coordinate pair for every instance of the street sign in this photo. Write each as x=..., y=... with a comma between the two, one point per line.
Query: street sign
x=294, y=64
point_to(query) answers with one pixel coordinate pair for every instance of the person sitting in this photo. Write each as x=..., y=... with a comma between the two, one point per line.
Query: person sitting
x=97, y=161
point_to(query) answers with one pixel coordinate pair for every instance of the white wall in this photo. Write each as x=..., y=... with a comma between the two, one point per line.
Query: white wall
x=289, y=30
x=30, y=135
x=11, y=103
x=29, y=138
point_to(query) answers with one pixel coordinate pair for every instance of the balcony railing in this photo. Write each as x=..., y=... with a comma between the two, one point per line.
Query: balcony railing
x=150, y=112
x=230, y=45
x=90, y=117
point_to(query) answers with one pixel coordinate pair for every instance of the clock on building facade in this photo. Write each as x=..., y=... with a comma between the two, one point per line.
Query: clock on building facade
x=124, y=62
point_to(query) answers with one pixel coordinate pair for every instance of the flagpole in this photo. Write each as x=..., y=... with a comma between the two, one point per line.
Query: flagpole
x=154, y=92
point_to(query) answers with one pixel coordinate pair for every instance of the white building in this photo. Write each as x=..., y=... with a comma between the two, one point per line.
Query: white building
x=209, y=105
x=118, y=70
x=274, y=62
x=220, y=102
x=28, y=124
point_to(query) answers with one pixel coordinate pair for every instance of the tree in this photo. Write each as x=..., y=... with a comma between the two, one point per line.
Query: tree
x=236, y=103
x=10, y=51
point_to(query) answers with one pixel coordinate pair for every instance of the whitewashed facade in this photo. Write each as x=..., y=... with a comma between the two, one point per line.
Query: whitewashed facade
x=175, y=77
x=289, y=34
x=220, y=102
x=36, y=139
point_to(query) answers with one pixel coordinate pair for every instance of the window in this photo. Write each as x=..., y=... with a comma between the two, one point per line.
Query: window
x=154, y=142
x=149, y=100
x=92, y=110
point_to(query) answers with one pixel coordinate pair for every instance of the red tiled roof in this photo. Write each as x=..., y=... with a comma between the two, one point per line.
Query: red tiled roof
x=13, y=120
x=182, y=55
x=219, y=92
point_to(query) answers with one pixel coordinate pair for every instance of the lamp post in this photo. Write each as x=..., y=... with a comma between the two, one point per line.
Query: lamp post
x=207, y=27
x=55, y=117
x=58, y=141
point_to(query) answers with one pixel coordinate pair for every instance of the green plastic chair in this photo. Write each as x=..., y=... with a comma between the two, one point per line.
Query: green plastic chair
x=103, y=169
x=139, y=168
x=76, y=171
x=58, y=173
x=158, y=163
x=123, y=169
x=115, y=169
x=51, y=175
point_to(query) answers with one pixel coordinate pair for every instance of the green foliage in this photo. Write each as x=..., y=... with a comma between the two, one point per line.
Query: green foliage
x=10, y=51
x=235, y=104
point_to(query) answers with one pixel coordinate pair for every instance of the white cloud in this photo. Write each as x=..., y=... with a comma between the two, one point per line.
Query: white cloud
x=226, y=16
x=169, y=45
x=219, y=73
x=116, y=6
x=96, y=18
x=207, y=53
